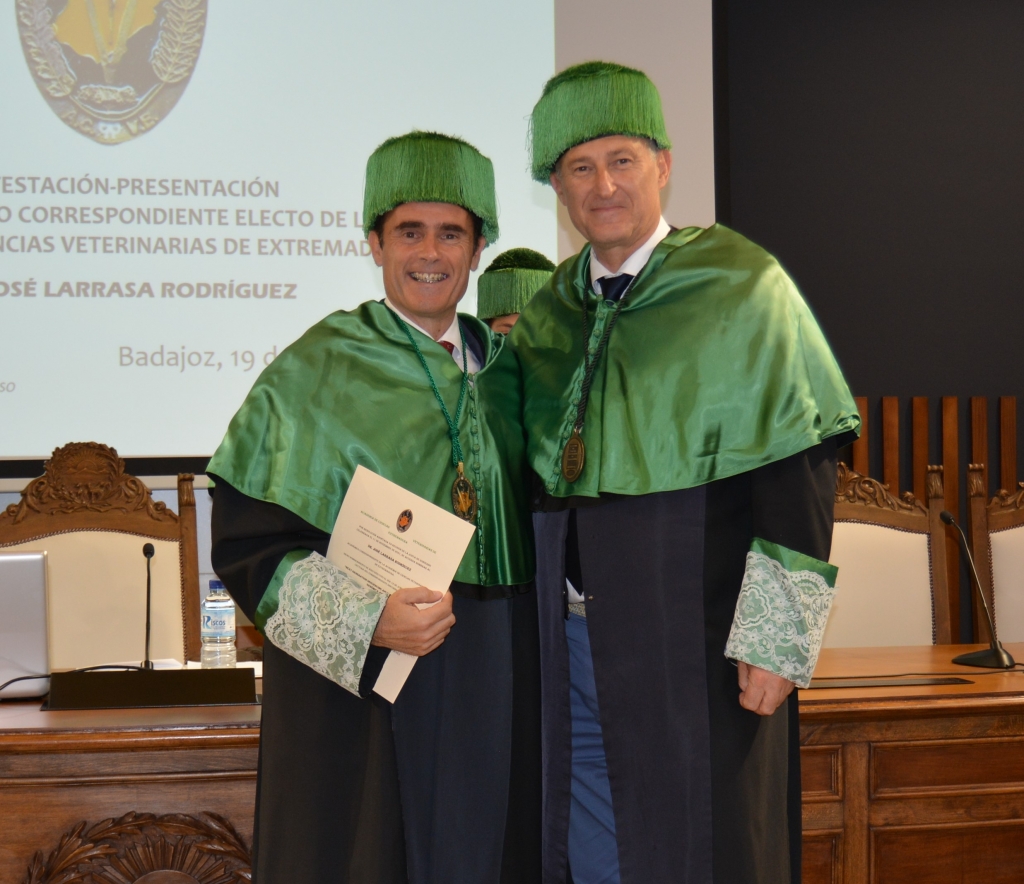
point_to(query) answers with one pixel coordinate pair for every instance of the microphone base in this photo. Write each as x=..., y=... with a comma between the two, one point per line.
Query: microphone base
x=995, y=657
x=150, y=688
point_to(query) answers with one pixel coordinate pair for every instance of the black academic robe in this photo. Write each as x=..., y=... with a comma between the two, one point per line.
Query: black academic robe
x=442, y=787
x=703, y=791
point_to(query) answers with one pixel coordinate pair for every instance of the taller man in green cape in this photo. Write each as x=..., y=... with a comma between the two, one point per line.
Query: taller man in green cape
x=683, y=411
x=444, y=785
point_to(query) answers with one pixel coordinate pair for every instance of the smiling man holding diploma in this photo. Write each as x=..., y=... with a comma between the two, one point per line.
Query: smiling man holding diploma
x=442, y=786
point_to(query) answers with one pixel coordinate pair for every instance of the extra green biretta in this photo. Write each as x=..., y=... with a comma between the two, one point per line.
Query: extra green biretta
x=592, y=100
x=427, y=167
x=507, y=285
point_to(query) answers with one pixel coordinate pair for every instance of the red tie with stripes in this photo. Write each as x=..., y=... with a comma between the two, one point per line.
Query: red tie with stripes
x=448, y=345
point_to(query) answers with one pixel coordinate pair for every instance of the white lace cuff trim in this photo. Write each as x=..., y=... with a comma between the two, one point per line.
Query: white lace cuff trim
x=326, y=620
x=780, y=618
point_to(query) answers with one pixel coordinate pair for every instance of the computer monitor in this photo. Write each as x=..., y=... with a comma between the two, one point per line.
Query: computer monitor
x=23, y=646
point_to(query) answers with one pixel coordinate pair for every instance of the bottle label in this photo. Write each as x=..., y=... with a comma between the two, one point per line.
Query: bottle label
x=218, y=624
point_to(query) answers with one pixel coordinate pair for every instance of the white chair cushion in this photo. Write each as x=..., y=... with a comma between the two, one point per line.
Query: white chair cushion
x=1008, y=580
x=883, y=591
x=96, y=598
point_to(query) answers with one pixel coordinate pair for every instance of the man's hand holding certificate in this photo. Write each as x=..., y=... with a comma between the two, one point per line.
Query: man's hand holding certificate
x=392, y=540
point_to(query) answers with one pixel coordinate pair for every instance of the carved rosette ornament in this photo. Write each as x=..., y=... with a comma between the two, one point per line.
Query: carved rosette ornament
x=86, y=477
x=853, y=487
x=142, y=848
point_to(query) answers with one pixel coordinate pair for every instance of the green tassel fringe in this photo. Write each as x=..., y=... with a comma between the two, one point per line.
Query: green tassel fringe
x=432, y=168
x=592, y=100
x=500, y=292
x=520, y=259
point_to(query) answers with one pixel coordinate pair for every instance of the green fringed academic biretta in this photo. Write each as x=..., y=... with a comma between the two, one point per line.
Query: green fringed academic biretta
x=683, y=411
x=351, y=787
x=510, y=281
x=427, y=167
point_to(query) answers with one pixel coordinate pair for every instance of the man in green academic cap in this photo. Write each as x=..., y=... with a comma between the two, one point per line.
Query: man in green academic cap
x=443, y=785
x=683, y=412
x=508, y=284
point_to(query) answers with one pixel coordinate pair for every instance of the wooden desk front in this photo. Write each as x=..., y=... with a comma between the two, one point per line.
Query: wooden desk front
x=918, y=784
x=62, y=769
x=913, y=784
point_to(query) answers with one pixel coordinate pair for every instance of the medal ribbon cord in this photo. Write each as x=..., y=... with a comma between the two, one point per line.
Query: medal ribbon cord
x=590, y=362
x=453, y=425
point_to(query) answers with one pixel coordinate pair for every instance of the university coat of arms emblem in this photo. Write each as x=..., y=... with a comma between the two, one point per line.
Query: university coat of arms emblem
x=111, y=69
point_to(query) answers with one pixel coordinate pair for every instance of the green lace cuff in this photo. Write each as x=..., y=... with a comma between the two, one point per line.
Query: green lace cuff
x=781, y=611
x=325, y=619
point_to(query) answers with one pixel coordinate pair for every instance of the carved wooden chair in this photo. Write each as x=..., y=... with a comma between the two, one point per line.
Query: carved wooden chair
x=93, y=519
x=996, y=533
x=892, y=587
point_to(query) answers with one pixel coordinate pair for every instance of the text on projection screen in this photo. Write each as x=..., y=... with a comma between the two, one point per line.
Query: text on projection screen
x=181, y=191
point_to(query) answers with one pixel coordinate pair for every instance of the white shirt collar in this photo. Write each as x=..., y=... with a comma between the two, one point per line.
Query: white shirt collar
x=453, y=336
x=634, y=263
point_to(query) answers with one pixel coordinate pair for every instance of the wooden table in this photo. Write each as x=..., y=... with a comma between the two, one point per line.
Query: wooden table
x=180, y=779
x=913, y=784
x=900, y=784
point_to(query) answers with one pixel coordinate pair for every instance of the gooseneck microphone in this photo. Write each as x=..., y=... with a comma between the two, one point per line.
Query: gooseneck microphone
x=996, y=657
x=149, y=551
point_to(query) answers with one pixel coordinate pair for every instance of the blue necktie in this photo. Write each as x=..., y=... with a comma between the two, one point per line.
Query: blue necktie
x=612, y=287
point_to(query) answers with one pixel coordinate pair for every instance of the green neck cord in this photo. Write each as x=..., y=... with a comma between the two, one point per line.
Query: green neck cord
x=453, y=425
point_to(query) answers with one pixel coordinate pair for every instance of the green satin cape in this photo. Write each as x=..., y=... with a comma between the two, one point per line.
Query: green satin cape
x=716, y=366
x=352, y=391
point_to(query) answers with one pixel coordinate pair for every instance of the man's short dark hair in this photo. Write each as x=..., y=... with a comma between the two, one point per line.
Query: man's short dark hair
x=478, y=227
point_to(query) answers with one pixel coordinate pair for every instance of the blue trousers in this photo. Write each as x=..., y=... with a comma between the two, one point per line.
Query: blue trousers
x=593, y=851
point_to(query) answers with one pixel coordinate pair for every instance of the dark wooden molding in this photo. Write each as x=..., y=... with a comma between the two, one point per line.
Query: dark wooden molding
x=144, y=847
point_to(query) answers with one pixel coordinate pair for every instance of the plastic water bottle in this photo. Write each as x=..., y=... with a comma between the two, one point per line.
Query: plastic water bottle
x=218, y=628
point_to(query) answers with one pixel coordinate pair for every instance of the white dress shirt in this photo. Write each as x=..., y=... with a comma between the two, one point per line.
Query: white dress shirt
x=634, y=263
x=453, y=336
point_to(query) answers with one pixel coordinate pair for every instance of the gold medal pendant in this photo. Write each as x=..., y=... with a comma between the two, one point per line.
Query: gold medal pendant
x=574, y=456
x=464, y=497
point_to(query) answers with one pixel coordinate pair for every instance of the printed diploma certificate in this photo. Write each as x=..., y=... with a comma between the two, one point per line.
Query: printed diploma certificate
x=389, y=538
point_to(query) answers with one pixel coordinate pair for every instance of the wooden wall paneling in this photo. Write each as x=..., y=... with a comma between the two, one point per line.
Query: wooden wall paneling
x=977, y=534
x=979, y=434
x=891, y=443
x=951, y=490
x=1008, y=443
x=861, y=458
x=919, y=440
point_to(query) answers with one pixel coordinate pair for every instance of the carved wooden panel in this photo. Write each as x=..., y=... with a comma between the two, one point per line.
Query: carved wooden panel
x=823, y=858
x=85, y=486
x=958, y=766
x=821, y=773
x=971, y=854
x=143, y=848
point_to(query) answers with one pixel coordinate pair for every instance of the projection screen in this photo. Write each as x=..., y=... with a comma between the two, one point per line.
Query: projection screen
x=181, y=190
